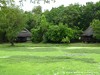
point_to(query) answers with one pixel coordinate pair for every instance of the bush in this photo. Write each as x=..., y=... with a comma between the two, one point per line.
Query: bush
x=65, y=40
x=56, y=33
x=36, y=35
x=53, y=33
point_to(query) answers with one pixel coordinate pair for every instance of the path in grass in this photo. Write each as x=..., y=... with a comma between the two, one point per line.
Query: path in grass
x=50, y=60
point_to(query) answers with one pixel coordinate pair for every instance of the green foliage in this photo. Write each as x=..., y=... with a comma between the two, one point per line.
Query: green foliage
x=31, y=20
x=36, y=35
x=74, y=15
x=37, y=10
x=53, y=33
x=33, y=17
x=76, y=33
x=54, y=16
x=12, y=22
x=87, y=15
x=65, y=40
x=96, y=28
x=67, y=15
x=57, y=25
x=43, y=24
x=4, y=3
x=57, y=32
x=71, y=15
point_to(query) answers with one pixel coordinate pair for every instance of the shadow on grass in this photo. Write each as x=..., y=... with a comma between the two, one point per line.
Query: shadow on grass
x=52, y=49
x=36, y=59
x=96, y=51
x=86, y=60
x=45, y=59
x=1, y=66
x=31, y=49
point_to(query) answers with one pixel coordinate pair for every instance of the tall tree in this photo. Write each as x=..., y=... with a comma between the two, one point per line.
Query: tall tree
x=12, y=21
x=31, y=21
x=40, y=31
x=87, y=15
x=43, y=26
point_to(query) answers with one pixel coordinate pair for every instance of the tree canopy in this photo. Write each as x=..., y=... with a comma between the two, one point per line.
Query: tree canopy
x=61, y=24
x=12, y=21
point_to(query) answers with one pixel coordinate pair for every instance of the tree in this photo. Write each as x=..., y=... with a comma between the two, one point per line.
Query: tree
x=40, y=30
x=67, y=15
x=33, y=17
x=31, y=20
x=37, y=10
x=54, y=16
x=96, y=28
x=36, y=35
x=87, y=15
x=59, y=33
x=44, y=27
x=12, y=21
x=6, y=2
x=71, y=15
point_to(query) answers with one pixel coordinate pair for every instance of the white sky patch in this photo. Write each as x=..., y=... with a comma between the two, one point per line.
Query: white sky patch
x=29, y=6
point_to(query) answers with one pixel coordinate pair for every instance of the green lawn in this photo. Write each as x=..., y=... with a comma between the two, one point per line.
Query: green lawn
x=50, y=59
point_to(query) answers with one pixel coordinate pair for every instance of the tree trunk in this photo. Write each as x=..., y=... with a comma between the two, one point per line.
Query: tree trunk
x=4, y=39
x=12, y=43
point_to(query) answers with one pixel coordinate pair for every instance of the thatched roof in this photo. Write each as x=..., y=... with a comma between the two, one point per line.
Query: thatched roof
x=88, y=31
x=24, y=33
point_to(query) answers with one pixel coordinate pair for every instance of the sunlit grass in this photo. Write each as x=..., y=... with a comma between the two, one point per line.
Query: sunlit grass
x=49, y=59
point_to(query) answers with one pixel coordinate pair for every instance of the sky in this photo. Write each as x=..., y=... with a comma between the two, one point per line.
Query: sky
x=29, y=6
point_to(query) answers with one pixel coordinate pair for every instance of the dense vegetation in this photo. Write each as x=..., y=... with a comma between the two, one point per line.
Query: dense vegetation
x=96, y=27
x=59, y=25
x=64, y=24
x=12, y=20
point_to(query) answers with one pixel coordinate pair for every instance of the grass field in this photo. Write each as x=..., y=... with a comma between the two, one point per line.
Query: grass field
x=50, y=59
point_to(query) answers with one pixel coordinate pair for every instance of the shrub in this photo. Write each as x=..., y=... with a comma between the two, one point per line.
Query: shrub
x=56, y=33
x=36, y=35
x=96, y=28
x=65, y=40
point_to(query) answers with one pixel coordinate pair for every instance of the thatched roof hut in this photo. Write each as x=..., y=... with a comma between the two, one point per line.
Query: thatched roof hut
x=23, y=36
x=88, y=31
x=87, y=35
x=24, y=33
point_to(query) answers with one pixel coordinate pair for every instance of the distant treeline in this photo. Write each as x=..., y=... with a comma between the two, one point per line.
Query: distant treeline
x=59, y=25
